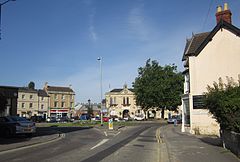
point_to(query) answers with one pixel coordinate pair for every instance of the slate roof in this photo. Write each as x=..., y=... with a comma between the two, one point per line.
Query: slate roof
x=59, y=89
x=42, y=93
x=120, y=89
x=26, y=89
x=197, y=43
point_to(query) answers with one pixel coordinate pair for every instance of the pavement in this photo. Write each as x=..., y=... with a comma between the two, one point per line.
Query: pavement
x=185, y=147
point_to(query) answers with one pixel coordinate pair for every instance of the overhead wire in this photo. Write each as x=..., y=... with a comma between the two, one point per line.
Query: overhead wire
x=206, y=18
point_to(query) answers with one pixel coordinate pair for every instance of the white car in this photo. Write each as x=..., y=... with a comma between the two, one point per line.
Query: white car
x=139, y=118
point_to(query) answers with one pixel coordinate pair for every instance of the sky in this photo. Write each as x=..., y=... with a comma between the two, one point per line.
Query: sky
x=59, y=41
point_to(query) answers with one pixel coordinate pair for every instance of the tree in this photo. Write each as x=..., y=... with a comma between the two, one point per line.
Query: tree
x=159, y=87
x=223, y=102
x=31, y=85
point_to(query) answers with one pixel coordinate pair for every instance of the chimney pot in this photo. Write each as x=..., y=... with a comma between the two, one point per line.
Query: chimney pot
x=219, y=9
x=225, y=14
x=225, y=6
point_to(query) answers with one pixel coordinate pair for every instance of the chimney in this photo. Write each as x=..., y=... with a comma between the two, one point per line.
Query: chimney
x=224, y=15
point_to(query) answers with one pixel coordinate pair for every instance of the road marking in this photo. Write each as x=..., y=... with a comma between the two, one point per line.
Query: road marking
x=99, y=144
x=118, y=133
x=158, y=137
x=105, y=133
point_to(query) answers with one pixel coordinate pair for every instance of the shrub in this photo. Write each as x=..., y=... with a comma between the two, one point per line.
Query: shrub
x=223, y=101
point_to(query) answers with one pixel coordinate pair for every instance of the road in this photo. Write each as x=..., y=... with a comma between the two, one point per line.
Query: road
x=91, y=145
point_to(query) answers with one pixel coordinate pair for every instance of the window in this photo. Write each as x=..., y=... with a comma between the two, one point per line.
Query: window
x=23, y=105
x=31, y=97
x=115, y=100
x=72, y=97
x=30, y=105
x=127, y=100
x=42, y=106
x=111, y=101
x=42, y=98
x=63, y=104
x=123, y=100
x=72, y=104
x=23, y=96
x=55, y=96
x=63, y=97
x=55, y=104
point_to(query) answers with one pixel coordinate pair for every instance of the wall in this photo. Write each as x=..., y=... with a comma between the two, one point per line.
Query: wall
x=232, y=141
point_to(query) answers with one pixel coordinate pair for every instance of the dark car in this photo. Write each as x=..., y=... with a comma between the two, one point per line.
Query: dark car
x=37, y=119
x=14, y=125
x=84, y=117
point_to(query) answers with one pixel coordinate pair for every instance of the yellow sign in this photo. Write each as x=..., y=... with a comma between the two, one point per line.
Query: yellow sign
x=110, y=124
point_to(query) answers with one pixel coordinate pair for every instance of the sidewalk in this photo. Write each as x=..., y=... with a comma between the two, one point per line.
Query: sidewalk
x=184, y=147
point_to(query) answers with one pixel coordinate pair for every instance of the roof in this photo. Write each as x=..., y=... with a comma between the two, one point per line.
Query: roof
x=59, y=89
x=26, y=89
x=120, y=89
x=198, y=41
x=42, y=93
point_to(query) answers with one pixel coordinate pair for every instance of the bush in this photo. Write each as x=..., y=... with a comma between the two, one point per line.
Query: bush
x=223, y=101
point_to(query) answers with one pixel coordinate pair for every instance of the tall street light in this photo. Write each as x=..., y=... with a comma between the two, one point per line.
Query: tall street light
x=100, y=63
x=1, y=4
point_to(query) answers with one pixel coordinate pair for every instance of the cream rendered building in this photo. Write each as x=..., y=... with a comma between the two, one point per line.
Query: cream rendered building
x=207, y=57
x=61, y=101
x=27, y=102
x=121, y=103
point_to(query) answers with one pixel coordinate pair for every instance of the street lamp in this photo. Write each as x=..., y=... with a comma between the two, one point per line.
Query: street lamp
x=1, y=4
x=100, y=63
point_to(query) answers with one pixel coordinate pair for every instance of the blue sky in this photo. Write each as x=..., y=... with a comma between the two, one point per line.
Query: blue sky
x=59, y=41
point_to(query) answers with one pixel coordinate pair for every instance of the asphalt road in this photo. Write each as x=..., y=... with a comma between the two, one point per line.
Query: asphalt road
x=92, y=145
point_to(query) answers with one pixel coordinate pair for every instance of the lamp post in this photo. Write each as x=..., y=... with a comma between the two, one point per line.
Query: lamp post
x=100, y=63
x=1, y=4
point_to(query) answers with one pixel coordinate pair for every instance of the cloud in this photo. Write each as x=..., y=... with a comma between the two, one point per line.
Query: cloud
x=92, y=30
x=137, y=23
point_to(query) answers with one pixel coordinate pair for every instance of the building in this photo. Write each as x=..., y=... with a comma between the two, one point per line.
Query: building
x=121, y=103
x=61, y=102
x=32, y=102
x=8, y=100
x=207, y=57
x=27, y=102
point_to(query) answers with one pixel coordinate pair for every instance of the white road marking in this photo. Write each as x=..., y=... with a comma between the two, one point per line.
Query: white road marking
x=99, y=144
x=105, y=133
x=118, y=133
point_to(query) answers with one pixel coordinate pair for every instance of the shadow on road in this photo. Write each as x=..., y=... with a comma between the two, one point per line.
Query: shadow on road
x=41, y=131
x=215, y=141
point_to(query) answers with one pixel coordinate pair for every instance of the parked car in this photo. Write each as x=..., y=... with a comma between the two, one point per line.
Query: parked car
x=37, y=119
x=84, y=117
x=13, y=125
x=174, y=118
x=139, y=117
x=105, y=119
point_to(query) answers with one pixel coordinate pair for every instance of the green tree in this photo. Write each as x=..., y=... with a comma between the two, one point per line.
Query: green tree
x=223, y=101
x=31, y=85
x=159, y=87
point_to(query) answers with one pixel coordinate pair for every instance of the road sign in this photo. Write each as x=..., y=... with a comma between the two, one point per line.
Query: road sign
x=110, y=124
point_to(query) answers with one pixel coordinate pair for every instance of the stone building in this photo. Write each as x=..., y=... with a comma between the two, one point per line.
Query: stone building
x=61, y=101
